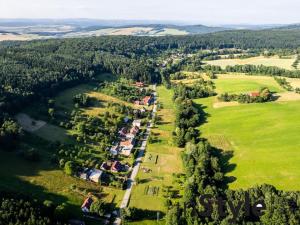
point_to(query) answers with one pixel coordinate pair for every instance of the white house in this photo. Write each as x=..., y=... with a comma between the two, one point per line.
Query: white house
x=95, y=175
x=137, y=123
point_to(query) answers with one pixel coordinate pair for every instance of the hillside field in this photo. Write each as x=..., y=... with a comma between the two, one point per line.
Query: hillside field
x=261, y=136
x=285, y=63
x=162, y=158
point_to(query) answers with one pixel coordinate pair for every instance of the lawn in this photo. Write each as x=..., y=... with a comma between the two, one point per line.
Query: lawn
x=264, y=139
x=285, y=63
x=168, y=160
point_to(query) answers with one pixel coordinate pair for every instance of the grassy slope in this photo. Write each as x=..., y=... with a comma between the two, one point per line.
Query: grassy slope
x=259, y=60
x=169, y=160
x=237, y=83
x=263, y=137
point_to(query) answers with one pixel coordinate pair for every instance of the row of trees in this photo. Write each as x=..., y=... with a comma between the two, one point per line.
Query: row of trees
x=284, y=83
x=264, y=95
x=200, y=89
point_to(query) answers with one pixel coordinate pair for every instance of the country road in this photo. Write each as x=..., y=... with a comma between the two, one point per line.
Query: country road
x=137, y=162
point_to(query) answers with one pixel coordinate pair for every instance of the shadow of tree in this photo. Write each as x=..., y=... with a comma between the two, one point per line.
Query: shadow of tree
x=223, y=156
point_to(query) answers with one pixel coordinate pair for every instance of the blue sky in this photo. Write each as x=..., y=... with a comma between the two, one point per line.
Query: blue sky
x=194, y=11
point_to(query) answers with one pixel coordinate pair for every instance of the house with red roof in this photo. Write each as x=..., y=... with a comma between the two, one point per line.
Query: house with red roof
x=254, y=94
x=133, y=132
x=147, y=100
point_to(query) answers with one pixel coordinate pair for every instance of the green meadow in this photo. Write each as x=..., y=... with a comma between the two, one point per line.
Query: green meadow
x=263, y=137
x=162, y=158
x=239, y=83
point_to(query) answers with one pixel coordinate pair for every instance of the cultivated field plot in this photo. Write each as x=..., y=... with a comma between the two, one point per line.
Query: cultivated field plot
x=285, y=63
x=261, y=136
x=156, y=173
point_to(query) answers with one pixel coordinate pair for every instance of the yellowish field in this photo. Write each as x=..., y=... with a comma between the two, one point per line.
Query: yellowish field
x=295, y=82
x=285, y=63
x=103, y=100
x=13, y=37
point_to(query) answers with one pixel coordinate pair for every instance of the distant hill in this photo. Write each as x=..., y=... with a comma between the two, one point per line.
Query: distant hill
x=45, y=28
x=289, y=27
x=27, y=29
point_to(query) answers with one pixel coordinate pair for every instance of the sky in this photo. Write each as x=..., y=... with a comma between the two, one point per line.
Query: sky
x=213, y=12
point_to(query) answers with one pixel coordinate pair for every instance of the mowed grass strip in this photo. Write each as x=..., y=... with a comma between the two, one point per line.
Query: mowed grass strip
x=264, y=139
x=168, y=159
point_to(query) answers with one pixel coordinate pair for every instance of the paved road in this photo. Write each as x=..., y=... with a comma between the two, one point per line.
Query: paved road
x=137, y=162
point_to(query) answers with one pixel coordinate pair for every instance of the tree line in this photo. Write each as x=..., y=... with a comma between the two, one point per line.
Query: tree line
x=205, y=168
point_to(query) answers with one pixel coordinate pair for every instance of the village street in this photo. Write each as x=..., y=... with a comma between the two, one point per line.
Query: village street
x=138, y=162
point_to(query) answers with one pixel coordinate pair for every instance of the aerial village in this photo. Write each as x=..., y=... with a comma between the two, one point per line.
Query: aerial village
x=127, y=138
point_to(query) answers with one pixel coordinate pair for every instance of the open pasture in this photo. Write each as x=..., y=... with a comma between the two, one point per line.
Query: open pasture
x=261, y=136
x=240, y=83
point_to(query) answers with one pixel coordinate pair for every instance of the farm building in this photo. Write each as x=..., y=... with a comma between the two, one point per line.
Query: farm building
x=254, y=94
x=87, y=205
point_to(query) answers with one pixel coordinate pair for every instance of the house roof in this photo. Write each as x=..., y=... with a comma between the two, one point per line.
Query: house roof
x=140, y=84
x=126, y=143
x=87, y=203
x=255, y=94
x=127, y=151
x=117, y=166
x=95, y=175
x=134, y=130
x=147, y=99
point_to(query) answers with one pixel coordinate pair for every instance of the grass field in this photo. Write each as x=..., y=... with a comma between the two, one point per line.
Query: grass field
x=285, y=63
x=168, y=159
x=239, y=83
x=263, y=137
